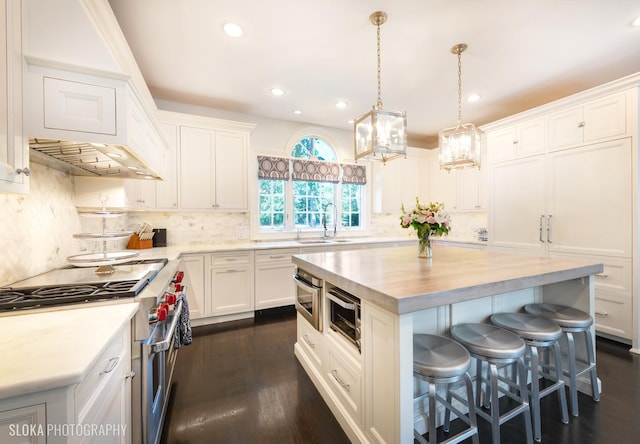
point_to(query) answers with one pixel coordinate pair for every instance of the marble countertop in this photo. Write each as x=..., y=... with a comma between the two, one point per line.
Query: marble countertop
x=55, y=349
x=398, y=281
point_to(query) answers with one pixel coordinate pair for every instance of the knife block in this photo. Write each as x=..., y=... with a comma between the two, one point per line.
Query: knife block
x=136, y=244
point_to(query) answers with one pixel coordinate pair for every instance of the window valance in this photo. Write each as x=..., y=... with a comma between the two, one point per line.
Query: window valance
x=315, y=171
x=354, y=174
x=276, y=168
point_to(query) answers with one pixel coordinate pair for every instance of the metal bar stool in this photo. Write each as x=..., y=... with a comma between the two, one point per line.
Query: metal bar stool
x=538, y=333
x=440, y=360
x=572, y=320
x=497, y=347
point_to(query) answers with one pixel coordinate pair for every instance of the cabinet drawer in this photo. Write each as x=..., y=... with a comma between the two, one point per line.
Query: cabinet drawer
x=270, y=256
x=311, y=341
x=345, y=381
x=615, y=278
x=613, y=316
x=109, y=365
x=218, y=260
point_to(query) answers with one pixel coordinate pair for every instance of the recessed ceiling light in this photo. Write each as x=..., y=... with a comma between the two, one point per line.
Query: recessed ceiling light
x=636, y=22
x=297, y=111
x=351, y=121
x=277, y=91
x=233, y=30
x=341, y=104
x=473, y=98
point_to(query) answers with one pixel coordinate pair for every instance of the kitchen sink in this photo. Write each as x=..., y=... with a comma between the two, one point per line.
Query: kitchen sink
x=342, y=240
x=314, y=241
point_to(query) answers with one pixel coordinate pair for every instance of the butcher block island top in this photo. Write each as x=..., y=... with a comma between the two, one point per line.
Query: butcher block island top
x=398, y=281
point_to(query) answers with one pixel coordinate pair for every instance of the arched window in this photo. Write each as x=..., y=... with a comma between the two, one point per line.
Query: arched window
x=317, y=199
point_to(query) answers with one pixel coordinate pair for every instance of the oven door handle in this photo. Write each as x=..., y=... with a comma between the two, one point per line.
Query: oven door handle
x=340, y=302
x=300, y=283
x=164, y=343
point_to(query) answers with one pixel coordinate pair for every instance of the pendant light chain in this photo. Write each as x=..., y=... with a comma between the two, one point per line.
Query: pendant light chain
x=459, y=86
x=379, y=103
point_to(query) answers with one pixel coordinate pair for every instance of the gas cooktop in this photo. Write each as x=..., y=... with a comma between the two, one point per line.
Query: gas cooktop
x=79, y=284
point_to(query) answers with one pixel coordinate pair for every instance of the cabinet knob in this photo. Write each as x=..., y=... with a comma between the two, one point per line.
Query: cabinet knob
x=130, y=375
x=515, y=142
x=26, y=171
x=581, y=125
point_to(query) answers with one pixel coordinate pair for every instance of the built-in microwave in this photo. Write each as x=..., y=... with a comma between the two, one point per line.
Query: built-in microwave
x=344, y=314
x=309, y=297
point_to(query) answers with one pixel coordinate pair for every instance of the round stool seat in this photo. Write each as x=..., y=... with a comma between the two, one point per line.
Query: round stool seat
x=565, y=317
x=439, y=357
x=489, y=341
x=528, y=327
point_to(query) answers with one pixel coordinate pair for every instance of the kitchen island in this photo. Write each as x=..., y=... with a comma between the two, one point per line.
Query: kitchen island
x=371, y=392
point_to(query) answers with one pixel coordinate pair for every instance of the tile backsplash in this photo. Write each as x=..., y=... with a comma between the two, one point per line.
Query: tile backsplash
x=37, y=228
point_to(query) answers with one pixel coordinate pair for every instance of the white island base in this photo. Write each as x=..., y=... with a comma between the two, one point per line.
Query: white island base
x=371, y=393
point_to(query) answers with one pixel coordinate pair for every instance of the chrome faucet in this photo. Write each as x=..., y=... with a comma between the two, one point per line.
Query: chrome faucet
x=324, y=219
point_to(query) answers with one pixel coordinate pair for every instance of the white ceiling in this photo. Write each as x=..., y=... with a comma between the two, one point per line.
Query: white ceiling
x=522, y=53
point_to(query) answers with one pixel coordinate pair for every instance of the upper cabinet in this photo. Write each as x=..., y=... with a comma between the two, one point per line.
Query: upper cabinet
x=399, y=182
x=525, y=139
x=14, y=152
x=211, y=162
x=598, y=120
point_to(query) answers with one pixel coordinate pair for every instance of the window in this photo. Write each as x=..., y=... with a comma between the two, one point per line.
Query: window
x=319, y=191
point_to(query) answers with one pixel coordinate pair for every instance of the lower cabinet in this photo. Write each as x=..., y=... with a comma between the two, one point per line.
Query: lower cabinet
x=97, y=410
x=344, y=374
x=231, y=283
x=274, y=286
x=193, y=265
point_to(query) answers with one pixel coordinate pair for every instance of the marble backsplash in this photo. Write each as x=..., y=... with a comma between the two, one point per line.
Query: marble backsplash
x=37, y=228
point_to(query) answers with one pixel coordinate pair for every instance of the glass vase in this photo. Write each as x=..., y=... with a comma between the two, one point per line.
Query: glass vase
x=424, y=245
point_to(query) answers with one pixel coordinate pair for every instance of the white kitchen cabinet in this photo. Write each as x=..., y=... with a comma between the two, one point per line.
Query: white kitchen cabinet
x=14, y=148
x=231, y=283
x=598, y=120
x=589, y=200
x=102, y=397
x=213, y=169
x=459, y=190
x=399, y=181
x=196, y=293
x=17, y=424
x=167, y=189
x=140, y=193
x=312, y=342
x=274, y=286
x=344, y=375
x=521, y=140
x=517, y=205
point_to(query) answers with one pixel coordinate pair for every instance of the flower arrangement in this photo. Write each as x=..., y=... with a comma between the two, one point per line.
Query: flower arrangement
x=427, y=220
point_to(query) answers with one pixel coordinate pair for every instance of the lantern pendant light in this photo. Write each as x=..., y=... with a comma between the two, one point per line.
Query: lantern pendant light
x=380, y=135
x=459, y=147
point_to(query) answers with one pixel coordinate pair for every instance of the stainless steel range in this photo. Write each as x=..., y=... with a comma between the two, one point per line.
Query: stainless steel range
x=154, y=329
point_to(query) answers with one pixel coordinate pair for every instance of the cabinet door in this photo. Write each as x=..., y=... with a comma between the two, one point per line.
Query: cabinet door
x=194, y=270
x=443, y=185
x=231, y=290
x=140, y=193
x=14, y=149
x=167, y=189
x=565, y=128
x=605, y=118
x=502, y=144
x=387, y=191
x=517, y=203
x=15, y=421
x=230, y=174
x=469, y=189
x=274, y=285
x=590, y=199
x=531, y=138
x=197, y=157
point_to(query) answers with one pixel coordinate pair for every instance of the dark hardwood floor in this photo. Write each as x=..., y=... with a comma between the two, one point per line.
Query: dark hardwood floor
x=240, y=383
